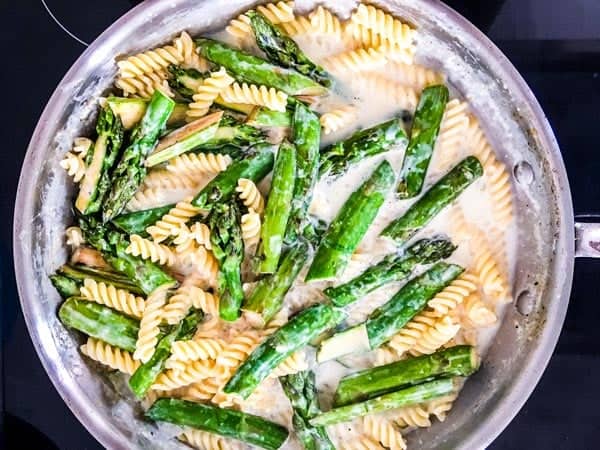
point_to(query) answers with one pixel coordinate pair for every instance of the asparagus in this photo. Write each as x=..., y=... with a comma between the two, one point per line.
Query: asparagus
x=306, y=135
x=424, y=132
x=283, y=51
x=100, y=321
x=228, y=248
x=314, y=230
x=265, y=117
x=440, y=195
x=185, y=139
x=278, y=208
x=351, y=223
x=267, y=297
x=336, y=158
x=391, y=268
x=389, y=318
x=294, y=335
x=131, y=110
x=66, y=287
x=234, y=134
x=404, y=397
x=222, y=187
x=252, y=69
x=130, y=171
x=146, y=374
x=137, y=222
x=301, y=391
x=461, y=360
x=224, y=422
x=96, y=182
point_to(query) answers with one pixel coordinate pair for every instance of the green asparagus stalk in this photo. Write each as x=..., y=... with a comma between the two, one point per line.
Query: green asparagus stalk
x=79, y=272
x=461, y=360
x=131, y=110
x=404, y=397
x=424, y=132
x=265, y=117
x=222, y=187
x=237, y=135
x=294, y=335
x=278, y=208
x=283, y=51
x=389, y=318
x=336, y=158
x=267, y=297
x=301, y=391
x=66, y=287
x=224, y=422
x=145, y=375
x=184, y=139
x=228, y=248
x=100, y=322
x=252, y=69
x=96, y=182
x=440, y=195
x=391, y=268
x=350, y=225
x=130, y=171
x=306, y=135
x=137, y=222
x=314, y=230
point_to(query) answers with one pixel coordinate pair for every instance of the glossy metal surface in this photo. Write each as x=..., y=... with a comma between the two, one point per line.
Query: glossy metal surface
x=475, y=67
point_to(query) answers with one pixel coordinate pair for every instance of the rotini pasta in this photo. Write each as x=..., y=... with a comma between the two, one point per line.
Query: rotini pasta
x=408, y=337
x=110, y=356
x=324, y=21
x=439, y=407
x=384, y=24
x=361, y=443
x=454, y=294
x=250, y=195
x=203, y=390
x=74, y=237
x=293, y=364
x=198, y=164
x=147, y=249
x=170, y=223
x=196, y=349
x=253, y=94
x=371, y=84
x=353, y=61
x=250, y=224
x=202, y=440
x=74, y=165
x=154, y=197
x=335, y=119
x=207, y=92
x=453, y=130
x=238, y=350
x=187, y=238
x=386, y=355
x=276, y=13
x=163, y=179
x=192, y=372
x=477, y=312
x=417, y=77
x=416, y=416
x=178, y=306
x=300, y=25
x=435, y=336
x=151, y=318
x=384, y=431
x=108, y=295
x=492, y=280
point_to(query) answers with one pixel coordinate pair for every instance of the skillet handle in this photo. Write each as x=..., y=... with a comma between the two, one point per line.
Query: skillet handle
x=587, y=238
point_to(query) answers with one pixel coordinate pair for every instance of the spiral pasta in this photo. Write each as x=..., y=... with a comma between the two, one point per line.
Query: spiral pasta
x=74, y=237
x=371, y=84
x=493, y=282
x=384, y=431
x=187, y=238
x=207, y=92
x=250, y=195
x=164, y=179
x=453, y=129
x=477, y=312
x=149, y=324
x=415, y=416
x=196, y=349
x=110, y=356
x=324, y=21
x=454, y=294
x=300, y=25
x=203, y=262
x=384, y=24
x=353, y=61
x=147, y=198
x=435, y=336
x=253, y=94
x=178, y=305
x=280, y=319
x=386, y=355
x=335, y=119
x=170, y=223
x=194, y=164
x=362, y=442
x=409, y=336
x=203, y=440
x=238, y=350
x=109, y=295
x=147, y=249
x=416, y=76
x=74, y=165
x=276, y=13
x=203, y=390
x=440, y=406
x=192, y=372
x=295, y=363
x=250, y=224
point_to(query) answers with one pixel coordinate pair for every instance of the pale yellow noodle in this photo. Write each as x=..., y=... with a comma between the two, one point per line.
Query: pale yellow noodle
x=207, y=92
x=253, y=94
x=353, y=61
x=198, y=164
x=250, y=195
x=250, y=224
x=74, y=165
x=337, y=118
x=454, y=294
x=147, y=249
x=170, y=223
x=149, y=324
x=384, y=431
x=110, y=356
x=324, y=21
x=384, y=24
x=363, y=442
x=108, y=295
x=276, y=13
x=191, y=372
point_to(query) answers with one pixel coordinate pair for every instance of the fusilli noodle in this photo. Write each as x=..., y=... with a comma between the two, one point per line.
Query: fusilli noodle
x=187, y=238
x=207, y=92
x=250, y=195
x=108, y=295
x=324, y=21
x=477, y=312
x=384, y=24
x=155, y=197
x=274, y=12
x=411, y=416
x=453, y=130
x=110, y=356
x=250, y=224
x=352, y=61
x=415, y=76
x=439, y=407
x=74, y=165
x=194, y=164
x=493, y=282
x=163, y=179
x=196, y=349
x=178, y=306
x=149, y=330
x=253, y=94
x=300, y=25
x=384, y=431
x=293, y=364
x=454, y=294
x=361, y=443
x=372, y=84
x=238, y=350
x=147, y=249
x=335, y=119
x=203, y=390
x=192, y=372
x=435, y=336
x=170, y=223
x=203, y=440
x=74, y=237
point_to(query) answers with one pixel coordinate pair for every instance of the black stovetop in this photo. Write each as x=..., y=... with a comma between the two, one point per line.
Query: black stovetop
x=556, y=46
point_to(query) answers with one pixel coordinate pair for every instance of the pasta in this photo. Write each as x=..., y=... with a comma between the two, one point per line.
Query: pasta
x=187, y=238
x=276, y=13
x=194, y=164
x=416, y=416
x=352, y=61
x=110, y=356
x=203, y=390
x=237, y=350
x=250, y=195
x=171, y=222
x=454, y=294
x=408, y=337
x=205, y=441
x=74, y=165
x=74, y=237
x=192, y=372
x=299, y=25
x=338, y=118
x=492, y=280
x=207, y=92
x=255, y=95
x=374, y=84
x=435, y=336
x=293, y=364
x=361, y=443
x=439, y=407
x=151, y=319
x=477, y=312
x=419, y=77
x=152, y=197
x=196, y=349
x=147, y=249
x=453, y=129
x=384, y=24
x=324, y=21
x=107, y=294
x=178, y=306
x=384, y=431
x=250, y=224
x=164, y=179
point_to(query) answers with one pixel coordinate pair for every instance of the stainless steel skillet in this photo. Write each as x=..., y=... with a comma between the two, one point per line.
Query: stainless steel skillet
x=476, y=68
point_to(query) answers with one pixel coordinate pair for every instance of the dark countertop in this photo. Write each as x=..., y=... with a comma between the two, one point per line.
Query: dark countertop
x=556, y=46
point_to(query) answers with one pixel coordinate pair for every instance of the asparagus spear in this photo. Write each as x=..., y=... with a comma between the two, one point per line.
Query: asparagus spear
x=294, y=335
x=130, y=171
x=351, y=223
x=252, y=69
x=131, y=110
x=301, y=391
x=224, y=422
x=228, y=248
x=137, y=222
x=389, y=318
x=66, y=287
x=100, y=321
x=265, y=117
x=404, y=397
x=314, y=230
x=336, y=158
x=306, y=135
x=146, y=374
x=234, y=134
x=96, y=181
x=391, y=268
x=425, y=128
x=222, y=187
x=267, y=297
x=278, y=208
x=461, y=360
x=283, y=51
x=440, y=195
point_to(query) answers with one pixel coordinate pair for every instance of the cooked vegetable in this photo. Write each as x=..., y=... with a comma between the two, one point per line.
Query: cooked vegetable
x=66, y=287
x=351, y=223
x=404, y=397
x=265, y=117
x=336, y=158
x=131, y=110
x=389, y=318
x=391, y=268
x=137, y=222
x=130, y=171
x=424, y=132
x=461, y=360
x=224, y=422
x=278, y=208
x=252, y=69
x=294, y=335
x=440, y=195
x=233, y=134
